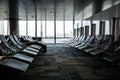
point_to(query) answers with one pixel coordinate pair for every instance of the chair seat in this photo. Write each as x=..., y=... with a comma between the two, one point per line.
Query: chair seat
x=32, y=49
x=23, y=57
x=15, y=64
x=29, y=52
x=35, y=46
x=113, y=57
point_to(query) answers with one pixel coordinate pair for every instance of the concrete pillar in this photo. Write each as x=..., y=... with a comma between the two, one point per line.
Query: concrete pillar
x=97, y=6
x=13, y=17
x=82, y=30
x=93, y=29
x=86, y=30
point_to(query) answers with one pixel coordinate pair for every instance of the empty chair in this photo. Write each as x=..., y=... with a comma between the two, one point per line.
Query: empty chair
x=77, y=41
x=13, y=66
x=83, y=42
x=106, y=41
x=74, y=41
x=89, y=43
x=24, y=45
x=15, y=50
x=19, y=56
x=98, y=41
x=113, y=51
x=114, y=56
x=36, y=44
x=11, y=39
x=80, y=41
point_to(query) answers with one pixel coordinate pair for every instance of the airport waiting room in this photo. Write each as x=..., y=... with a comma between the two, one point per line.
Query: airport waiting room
x=59, y=40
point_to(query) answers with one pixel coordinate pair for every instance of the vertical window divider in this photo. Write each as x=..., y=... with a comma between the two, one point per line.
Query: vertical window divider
x=35, y=6
x=73, y=15
x=55, y=21
x=64, y=18
x=26, y=8
x=45, y=18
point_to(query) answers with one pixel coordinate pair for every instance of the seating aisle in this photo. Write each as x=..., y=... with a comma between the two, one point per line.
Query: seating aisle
x=62, y=62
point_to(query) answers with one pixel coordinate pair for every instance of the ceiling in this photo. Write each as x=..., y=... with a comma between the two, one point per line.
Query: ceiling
x=44, y=9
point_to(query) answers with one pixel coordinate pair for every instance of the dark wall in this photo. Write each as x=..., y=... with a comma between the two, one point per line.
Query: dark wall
x=107, y=14
x=98, y=6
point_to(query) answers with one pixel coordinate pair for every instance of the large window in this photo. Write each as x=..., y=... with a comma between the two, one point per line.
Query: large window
x=47, y=29
x=22, y=27
x=50, y=28
x=4, y=27
x=107, y=27
x=1, y=27
x=43, y=29
x=68, y=28
x=59, y=29
x=31, y=28
x=39, y=29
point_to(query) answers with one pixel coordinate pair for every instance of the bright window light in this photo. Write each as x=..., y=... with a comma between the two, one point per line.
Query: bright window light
x=68, y=28
x=107, y=27
x=50, y=28
x=59, y=29
x=22, y=27
x=39, y=28
x=31, y=28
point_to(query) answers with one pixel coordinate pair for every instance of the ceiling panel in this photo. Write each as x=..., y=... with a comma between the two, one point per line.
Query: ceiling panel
x=43, y=6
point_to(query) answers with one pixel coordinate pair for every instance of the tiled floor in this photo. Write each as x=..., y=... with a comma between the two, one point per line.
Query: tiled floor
x=64, y=63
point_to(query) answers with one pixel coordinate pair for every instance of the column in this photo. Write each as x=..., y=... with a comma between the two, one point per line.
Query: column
x=13, y=17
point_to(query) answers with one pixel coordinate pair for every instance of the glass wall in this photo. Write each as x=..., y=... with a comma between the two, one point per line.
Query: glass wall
x=59, y=29
x=31, y=28
x=39, y=29
x=4, y=27
x=46, y=29
x=50, y=29
x=107, y=27
x=68, y=28
x=22, y=27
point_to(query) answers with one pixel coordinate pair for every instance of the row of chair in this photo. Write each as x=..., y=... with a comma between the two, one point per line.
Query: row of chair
x=16, y=55
x=104, y=45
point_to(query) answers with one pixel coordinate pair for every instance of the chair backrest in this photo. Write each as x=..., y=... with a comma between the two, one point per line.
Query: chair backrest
x=87, y=38
x=107, y=39
x=16, y=39
x=99, y=39
x=7, y=45
x=30, y=38
x=82, y=39
x=91, y=40
x=14, y=42
x=114, y=45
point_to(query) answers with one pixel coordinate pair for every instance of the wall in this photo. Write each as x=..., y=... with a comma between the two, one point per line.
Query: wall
x=94, y=7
